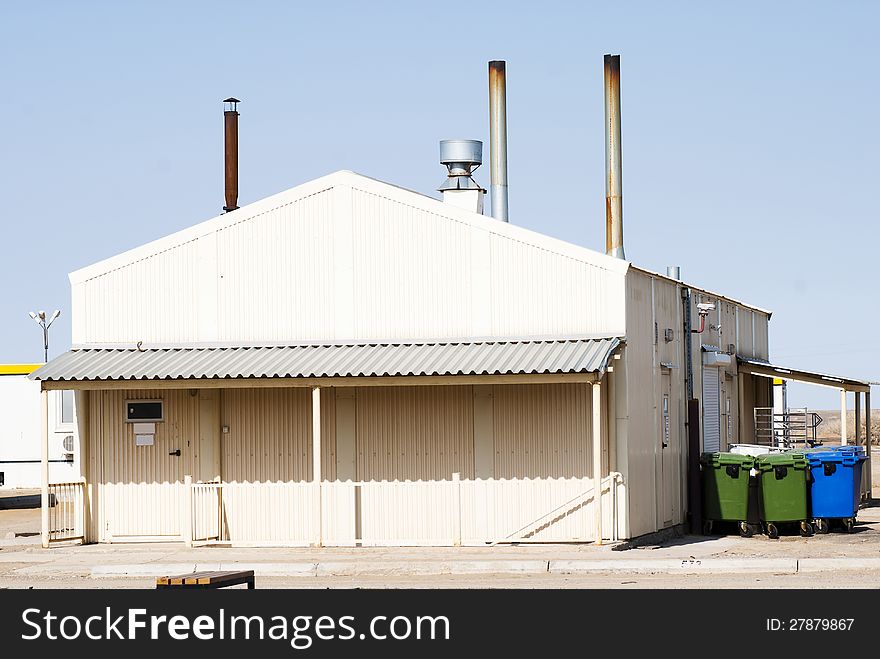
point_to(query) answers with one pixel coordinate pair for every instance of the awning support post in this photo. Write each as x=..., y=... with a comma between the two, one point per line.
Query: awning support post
x=858, y=428
x=843, y=417
x=316, y=464
x=44, y=468
x=597, y=458
x=868, y=439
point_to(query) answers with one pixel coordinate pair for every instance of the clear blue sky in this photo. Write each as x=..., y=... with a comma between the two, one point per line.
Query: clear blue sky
x=750, y=136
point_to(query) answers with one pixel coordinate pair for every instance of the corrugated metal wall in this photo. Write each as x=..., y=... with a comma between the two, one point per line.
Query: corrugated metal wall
x=532, y=291
x=641, y=406
x=147, y=300
x=415, y=433
x=357, y=260
x=653, y=305
x=543, y=431
x=270, y=435
x=274, y=274
x=409, y=442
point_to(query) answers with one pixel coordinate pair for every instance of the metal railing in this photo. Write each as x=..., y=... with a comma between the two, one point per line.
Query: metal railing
x=66, y=511
x=794, y=427
x=206, y=511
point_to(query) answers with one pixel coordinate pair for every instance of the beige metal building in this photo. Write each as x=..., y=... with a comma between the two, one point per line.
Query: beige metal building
x=349, y=362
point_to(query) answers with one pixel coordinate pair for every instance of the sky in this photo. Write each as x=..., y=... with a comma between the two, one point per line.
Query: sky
x=750, y=137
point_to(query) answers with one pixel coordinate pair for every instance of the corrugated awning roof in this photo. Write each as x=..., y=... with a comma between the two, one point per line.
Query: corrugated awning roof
x=766, y=369
x=489, y=357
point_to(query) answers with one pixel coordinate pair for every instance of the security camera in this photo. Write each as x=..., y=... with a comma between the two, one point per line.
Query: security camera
x=706, y=307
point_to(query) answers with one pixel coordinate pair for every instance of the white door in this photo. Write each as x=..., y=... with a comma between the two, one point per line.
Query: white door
x=143, y=490
x=711, y=409
x=667, y=456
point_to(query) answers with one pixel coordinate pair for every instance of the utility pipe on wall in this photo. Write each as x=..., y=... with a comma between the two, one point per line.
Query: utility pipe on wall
x=498, y=138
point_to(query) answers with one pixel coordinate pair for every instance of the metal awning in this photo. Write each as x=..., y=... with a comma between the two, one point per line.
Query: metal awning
x=766, y=369
x=350, y=360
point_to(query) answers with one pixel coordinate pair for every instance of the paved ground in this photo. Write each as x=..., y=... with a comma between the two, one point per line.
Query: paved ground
x=836, y=560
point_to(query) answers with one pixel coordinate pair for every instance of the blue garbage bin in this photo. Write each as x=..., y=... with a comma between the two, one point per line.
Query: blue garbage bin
x=835, y=485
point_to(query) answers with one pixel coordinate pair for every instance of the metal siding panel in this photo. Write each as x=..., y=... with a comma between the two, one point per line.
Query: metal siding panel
x=762, y=347
x=542, y=431
x=746, y=345
x=532, y=292
x=414, y=433
x=355, y=261
x=412, y=271
x=149, y=300
x=641, y=425
x=270, y=435
x=273, y=269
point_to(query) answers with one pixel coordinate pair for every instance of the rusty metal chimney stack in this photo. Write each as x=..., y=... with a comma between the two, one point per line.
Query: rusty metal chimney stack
x=498, y=138
x=230, y=124
x=613, y=168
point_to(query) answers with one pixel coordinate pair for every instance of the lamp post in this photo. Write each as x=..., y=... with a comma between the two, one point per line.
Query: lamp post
x=39, y=317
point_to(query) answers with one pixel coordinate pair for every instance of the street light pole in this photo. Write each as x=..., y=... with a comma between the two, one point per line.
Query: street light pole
x=39, y=317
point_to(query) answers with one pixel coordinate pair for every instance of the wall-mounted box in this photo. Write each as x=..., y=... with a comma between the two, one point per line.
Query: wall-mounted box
x=144, y=410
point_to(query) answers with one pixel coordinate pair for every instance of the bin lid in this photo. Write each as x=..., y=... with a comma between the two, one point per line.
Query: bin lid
x=837, y=454
x=720, y=458
x=771, y=460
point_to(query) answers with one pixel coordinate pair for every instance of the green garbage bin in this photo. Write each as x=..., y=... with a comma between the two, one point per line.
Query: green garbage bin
x=783, y=481
x=726, y=479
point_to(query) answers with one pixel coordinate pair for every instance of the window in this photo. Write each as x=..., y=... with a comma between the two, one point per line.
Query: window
x=63, y=410
x=66, y=407
x=143, y=410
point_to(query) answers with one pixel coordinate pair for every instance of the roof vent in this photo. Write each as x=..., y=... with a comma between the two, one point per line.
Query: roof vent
x=461, y=158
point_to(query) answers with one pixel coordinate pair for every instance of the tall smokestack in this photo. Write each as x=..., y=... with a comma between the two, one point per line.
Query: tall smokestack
x=498, y=138
x=230, y=124
x=613, y=169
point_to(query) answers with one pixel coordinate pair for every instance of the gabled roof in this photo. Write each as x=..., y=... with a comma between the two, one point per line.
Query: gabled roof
x=351, y=179
x=381, y=188
x=489, y=357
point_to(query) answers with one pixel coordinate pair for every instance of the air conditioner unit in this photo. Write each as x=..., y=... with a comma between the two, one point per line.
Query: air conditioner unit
x=67, y=445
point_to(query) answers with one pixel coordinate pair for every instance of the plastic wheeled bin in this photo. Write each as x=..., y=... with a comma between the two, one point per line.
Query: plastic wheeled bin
x=725, y=481
x=783, y=482
x=835, y=487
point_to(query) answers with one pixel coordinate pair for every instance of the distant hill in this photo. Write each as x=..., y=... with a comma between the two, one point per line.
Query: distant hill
x=830, y=426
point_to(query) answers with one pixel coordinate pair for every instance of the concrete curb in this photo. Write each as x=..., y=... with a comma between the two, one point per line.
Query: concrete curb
x=508, y=567
x=833, y=564
x=677, y=565
x=331, y=568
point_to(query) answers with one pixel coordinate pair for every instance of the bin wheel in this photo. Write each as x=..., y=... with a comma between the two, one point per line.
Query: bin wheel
x=745, y=530
x=772, y=531
x=848, y=524
x=822, y=526
x=806, y=529
x=707, y=527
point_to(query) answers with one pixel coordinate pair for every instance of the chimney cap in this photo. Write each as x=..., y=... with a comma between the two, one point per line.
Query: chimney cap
x=231, y=99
